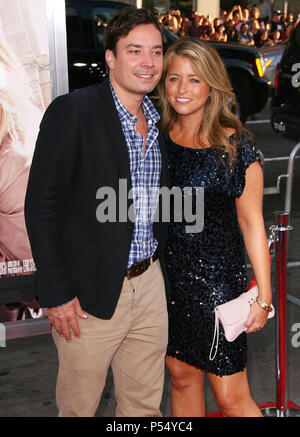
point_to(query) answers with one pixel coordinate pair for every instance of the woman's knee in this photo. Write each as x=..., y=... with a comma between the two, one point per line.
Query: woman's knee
x=229, y=405
x=234, y=403
x=232, y=393
x=183, y=375
x=239, y=407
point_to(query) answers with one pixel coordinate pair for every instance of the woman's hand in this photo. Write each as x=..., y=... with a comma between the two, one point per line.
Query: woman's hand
x=257, y=319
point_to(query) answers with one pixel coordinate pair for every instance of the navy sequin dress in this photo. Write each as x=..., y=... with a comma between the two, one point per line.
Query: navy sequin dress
x=207, y=268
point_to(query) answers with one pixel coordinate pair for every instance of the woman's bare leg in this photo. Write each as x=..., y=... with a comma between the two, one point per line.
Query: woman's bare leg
x=187, y=389
x=232, y=395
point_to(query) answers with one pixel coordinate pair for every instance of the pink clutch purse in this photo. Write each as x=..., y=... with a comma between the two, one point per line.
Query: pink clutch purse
x=233, y=315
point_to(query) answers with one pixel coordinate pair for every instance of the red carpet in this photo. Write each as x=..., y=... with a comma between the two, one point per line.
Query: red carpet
x=270, y=404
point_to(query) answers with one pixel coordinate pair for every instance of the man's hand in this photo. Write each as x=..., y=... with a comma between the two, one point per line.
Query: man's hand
x=64, y=317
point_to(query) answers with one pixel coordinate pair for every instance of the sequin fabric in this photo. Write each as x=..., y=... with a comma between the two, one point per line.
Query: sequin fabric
x=207, y=268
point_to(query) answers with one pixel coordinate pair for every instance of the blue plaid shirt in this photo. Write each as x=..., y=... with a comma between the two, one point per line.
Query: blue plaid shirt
x=145, y=177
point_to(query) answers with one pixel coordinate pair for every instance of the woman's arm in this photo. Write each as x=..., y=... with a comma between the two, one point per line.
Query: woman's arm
x=250, y=218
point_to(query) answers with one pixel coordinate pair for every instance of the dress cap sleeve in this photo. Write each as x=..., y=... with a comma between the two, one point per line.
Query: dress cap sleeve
x=247, y=154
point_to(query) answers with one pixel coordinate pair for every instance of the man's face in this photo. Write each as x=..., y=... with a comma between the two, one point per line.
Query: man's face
x=236, y=17
x=137, y=66
x=277, y=17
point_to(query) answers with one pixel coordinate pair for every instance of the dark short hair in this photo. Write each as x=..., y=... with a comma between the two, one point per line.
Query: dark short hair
x=123, y=22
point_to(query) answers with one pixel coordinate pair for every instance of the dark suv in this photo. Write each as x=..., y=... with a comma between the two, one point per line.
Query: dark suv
x=285, y=107
x=86, y=20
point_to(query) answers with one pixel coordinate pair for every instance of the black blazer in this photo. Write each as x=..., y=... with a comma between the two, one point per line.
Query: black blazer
x=80, y=148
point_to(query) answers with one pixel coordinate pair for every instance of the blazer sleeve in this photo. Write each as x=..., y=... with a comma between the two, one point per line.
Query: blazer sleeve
x=53, y=164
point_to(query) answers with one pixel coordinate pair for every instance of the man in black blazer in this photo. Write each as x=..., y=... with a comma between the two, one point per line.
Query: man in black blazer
x=101, y=275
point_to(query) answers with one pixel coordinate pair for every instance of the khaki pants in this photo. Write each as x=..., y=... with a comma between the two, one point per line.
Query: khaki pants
x=133, y=341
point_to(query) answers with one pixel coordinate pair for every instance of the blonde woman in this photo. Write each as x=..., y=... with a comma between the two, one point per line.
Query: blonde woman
x=19, y=121
x=208, y=148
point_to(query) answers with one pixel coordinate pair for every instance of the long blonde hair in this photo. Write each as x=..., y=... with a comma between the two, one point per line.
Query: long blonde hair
x=218, y=115
x=19, y=117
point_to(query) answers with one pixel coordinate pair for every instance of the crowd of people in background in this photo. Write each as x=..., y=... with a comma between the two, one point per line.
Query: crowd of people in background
x=256, y=26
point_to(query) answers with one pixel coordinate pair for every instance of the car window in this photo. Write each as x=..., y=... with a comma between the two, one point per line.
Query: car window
x=297, y=35
x=74, y=31
x=101, y=16
x=85, y=26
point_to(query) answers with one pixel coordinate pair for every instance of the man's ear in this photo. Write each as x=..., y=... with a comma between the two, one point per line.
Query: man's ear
x=110, y=59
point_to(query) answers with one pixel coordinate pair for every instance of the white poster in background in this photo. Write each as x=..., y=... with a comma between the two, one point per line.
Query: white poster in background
x=25, y=93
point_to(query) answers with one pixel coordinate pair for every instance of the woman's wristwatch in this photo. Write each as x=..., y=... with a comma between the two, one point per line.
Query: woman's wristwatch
x=263, y=304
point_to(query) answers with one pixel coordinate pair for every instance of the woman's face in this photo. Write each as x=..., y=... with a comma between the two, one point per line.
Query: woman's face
x=244, y=28
x=198, y=19
x=186, y=92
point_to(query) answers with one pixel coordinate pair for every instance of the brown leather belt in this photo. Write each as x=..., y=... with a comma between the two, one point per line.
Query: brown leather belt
x=138, y=268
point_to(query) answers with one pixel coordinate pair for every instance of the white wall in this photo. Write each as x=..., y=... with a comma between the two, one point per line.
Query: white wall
x=205, y=7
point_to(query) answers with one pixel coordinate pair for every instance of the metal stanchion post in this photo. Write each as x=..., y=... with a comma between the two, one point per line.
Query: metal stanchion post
x=281, y=351
x=280, y=230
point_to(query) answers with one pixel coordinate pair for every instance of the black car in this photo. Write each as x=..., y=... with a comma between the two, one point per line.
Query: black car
x=86, y=20
x=245, y=67
x=285, y=106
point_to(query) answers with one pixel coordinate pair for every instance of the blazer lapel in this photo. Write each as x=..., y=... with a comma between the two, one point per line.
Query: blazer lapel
x=114, y=132
x=117, y=140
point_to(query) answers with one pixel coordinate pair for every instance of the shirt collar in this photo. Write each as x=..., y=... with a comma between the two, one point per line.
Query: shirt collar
x=151, y=114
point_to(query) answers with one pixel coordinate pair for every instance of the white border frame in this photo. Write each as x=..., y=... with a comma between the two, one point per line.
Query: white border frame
x=58, y=55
